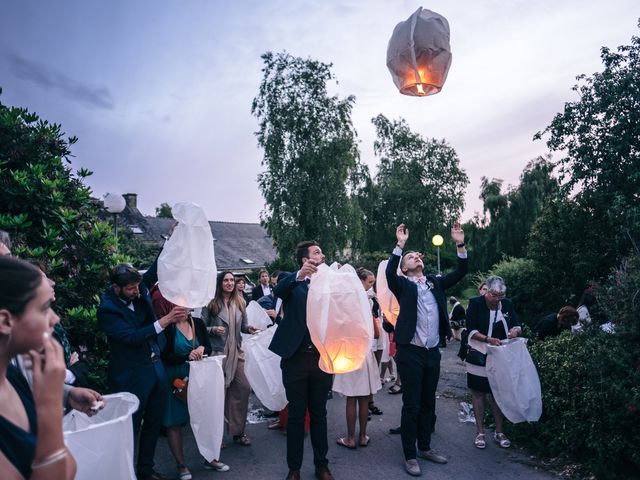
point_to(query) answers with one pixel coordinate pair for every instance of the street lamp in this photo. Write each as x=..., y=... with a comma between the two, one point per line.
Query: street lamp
x=437, y=241
x=114, y=204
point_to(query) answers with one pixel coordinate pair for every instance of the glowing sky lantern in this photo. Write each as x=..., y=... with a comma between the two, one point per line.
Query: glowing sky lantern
x=419, y=54
x=339, y=319
x=387, y=300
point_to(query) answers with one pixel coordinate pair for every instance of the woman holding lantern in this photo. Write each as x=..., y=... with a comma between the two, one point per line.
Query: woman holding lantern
x=225, y=318
x=360, y=385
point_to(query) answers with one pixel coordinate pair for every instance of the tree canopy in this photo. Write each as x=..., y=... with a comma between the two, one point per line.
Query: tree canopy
x=310, y=156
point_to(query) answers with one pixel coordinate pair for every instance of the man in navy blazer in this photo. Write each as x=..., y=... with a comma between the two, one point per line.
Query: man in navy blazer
x=135, y=341
x=422, y=326
x=305, y=384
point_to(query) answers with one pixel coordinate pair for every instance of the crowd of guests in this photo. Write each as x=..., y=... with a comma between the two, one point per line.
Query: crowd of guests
x=152, y=342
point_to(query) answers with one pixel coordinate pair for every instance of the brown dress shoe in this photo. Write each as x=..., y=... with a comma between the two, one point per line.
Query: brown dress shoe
x=293, y=475
x=323, y=473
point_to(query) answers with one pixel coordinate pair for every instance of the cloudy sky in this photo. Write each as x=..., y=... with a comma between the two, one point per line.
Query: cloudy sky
x=159, y=92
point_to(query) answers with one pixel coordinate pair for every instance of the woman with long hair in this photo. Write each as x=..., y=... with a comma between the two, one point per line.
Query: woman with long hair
x=31, y=441
x=225, y=318
x=187, y=340
x=359, y=386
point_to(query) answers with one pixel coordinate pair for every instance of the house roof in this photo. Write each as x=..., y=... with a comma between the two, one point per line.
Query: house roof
x=237, y=246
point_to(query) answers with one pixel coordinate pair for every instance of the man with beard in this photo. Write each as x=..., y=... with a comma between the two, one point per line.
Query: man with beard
x=135, y=341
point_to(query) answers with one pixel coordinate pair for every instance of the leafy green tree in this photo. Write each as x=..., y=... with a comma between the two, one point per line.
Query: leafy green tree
x=419, y=183
x=51, y=217
x=310, y=155
x=598, y=136
x=164, y=211
x=505, y=232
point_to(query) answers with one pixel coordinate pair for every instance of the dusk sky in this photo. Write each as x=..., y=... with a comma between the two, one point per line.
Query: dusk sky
x=159, y=92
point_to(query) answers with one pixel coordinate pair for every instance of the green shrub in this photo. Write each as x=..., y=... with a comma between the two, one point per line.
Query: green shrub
x=519, y=274
x=591, y=402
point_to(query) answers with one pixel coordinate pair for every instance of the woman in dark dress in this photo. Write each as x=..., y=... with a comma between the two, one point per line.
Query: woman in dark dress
x=490, y=319
x=31, y=441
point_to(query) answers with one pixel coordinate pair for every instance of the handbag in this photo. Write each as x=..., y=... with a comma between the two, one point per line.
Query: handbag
x=181, y=385
x=474, y=357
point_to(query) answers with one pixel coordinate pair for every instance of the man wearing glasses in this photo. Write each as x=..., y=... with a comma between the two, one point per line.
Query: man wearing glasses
x=421, y=327
x=135, y=341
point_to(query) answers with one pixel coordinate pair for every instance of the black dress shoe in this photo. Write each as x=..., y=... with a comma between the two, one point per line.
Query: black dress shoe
x=395, y=431
x=323, y=473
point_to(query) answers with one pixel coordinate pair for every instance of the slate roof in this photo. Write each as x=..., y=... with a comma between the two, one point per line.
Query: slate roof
x=233, y=241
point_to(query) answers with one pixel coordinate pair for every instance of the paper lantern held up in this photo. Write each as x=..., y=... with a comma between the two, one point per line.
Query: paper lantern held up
x=419, y=54
x=339, y=319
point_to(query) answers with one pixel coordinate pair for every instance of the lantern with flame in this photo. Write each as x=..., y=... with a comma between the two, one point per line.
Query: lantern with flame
x=419, y=54
x=339, y=319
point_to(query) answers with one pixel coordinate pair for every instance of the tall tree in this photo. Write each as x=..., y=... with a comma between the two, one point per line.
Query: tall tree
x=164, y=211
x=419, y=182
x=310, y=155
x=598, y=136
x=512, y=214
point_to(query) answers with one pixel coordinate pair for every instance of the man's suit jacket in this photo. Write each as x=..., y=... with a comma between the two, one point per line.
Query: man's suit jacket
x=132, y=337
x=258, y=292
x=478, y=316
x=293, y=327
x=406, y=292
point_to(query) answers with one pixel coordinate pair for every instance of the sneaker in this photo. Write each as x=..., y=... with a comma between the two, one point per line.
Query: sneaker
x=412, y=467
x=216, y=466
x=432, y=456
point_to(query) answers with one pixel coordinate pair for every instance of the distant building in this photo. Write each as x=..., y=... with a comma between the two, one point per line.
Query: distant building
x=239, y=247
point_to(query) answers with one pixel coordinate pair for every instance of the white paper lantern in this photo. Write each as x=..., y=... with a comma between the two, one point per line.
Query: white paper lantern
x=339, y=319
x=187, y=265
x=387, y=300
x=419, y=54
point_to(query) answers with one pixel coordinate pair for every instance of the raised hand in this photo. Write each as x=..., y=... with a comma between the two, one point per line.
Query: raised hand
x=308, y=269
x=402, y=234
x=457, y=234
x=177, y=314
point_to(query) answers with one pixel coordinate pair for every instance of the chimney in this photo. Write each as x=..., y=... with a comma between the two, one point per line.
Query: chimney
x=131, y=199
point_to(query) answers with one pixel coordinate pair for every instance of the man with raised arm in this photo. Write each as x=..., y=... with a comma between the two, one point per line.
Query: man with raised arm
x=422, y=326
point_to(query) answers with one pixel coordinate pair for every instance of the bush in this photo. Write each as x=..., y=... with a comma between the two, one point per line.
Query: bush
x=519, y=274
x=51, y=217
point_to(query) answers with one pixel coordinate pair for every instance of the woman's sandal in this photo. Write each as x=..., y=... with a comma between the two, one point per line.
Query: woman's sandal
x=242, y=440
x=364, y=441
x=395, y=389
x=502, y=440
x=374, y=410
x=479, y=441
x=343, y=443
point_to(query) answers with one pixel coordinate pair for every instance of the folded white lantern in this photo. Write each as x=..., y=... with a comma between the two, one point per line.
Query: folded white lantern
x=419, y=54
x=339, y=319
x=187, y=265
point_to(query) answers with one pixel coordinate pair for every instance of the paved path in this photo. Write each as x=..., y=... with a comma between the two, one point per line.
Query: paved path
x=382, y=459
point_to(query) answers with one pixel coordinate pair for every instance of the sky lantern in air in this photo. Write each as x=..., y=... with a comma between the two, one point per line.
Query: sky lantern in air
x=419, y=54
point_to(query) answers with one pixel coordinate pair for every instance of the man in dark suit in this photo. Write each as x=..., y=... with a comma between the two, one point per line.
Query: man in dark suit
x=135, y=341
x=305, y=384
x=262, y=288
x=422, y=326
